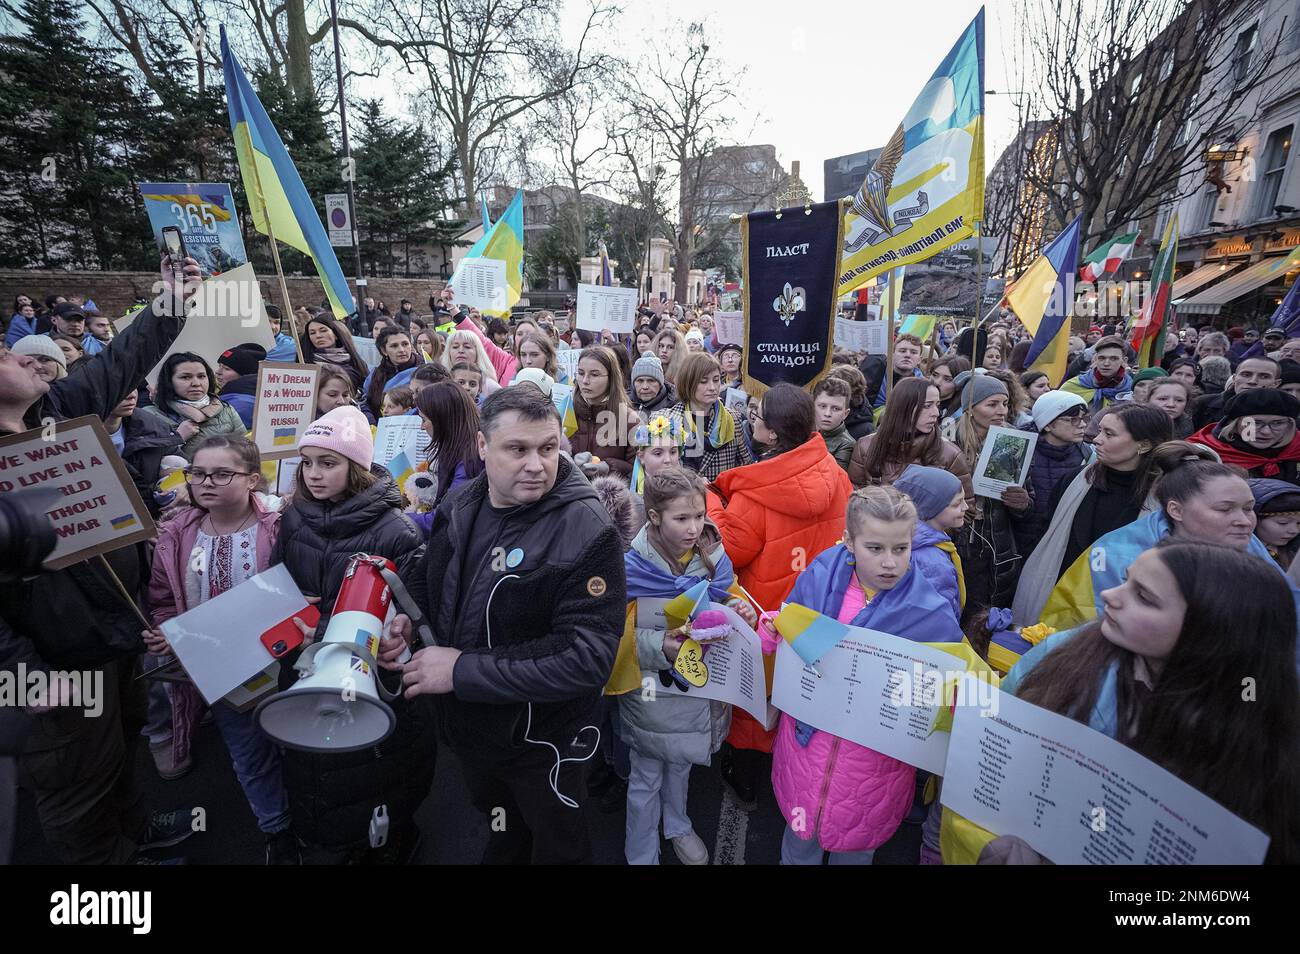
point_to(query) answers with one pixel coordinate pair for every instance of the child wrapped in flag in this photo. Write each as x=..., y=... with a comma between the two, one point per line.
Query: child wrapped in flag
x=678, y=557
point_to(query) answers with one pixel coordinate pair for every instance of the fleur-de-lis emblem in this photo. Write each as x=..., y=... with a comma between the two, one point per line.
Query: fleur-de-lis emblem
x=789, y=304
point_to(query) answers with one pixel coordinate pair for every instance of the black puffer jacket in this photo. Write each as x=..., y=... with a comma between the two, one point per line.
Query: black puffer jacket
x=333, y=796
x=318, y=537
x=990, y=558
x=556, y=616
x=146, y=440
x=662, y=401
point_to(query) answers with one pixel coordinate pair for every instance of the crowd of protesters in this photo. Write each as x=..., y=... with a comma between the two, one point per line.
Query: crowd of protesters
x=853, y=497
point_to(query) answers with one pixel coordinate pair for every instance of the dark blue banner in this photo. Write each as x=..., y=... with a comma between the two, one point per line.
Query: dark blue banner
x=791, y=265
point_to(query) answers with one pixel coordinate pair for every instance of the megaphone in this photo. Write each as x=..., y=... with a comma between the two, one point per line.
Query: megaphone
x=336, y=706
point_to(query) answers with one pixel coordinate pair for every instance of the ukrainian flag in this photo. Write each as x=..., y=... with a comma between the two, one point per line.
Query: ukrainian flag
x=276, y=196
x=926, y=190
x=686, y=606
x=809, y=633
x=569, y=417
x=920, y=325
x=505, y=241
x=123, y=522
x=282, y=436
x=1043, y=300
x=401, y=469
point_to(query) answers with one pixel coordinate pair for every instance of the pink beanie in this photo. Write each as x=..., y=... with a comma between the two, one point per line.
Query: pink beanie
x=345, y=431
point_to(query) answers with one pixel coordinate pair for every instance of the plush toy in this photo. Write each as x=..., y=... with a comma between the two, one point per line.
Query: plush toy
x=709, y=627
x=421, y=489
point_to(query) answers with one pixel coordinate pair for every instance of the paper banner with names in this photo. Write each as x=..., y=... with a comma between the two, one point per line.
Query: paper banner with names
x=854, y=695
x=729, y=326
x=395, y=435
x=98, y=508
x=606, y=308
x=733, y=667
x=481, y=283
x=284, y=406
x=1079, y=797
x=868, y=336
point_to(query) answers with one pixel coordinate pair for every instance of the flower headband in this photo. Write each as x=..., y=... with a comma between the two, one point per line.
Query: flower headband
x=658, y=427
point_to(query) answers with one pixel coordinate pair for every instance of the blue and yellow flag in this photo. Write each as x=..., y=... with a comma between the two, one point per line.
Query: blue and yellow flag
x=926, y=190
x=1043, y=300
x=920, y=325
x=276, y=196
x=504, y=241
x=483, y=211
x=686, y=606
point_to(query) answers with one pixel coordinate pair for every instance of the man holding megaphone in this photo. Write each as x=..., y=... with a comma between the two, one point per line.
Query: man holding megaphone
x=523, y=588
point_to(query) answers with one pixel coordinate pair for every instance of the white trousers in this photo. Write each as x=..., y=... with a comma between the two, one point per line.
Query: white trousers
x=655, y=789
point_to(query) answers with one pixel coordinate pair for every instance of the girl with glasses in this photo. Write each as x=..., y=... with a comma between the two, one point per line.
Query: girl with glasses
x=1061, y=418
x=1258, y=434
x=227, y=537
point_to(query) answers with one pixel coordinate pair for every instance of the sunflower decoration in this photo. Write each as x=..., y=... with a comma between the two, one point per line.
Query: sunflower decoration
x=656, y=429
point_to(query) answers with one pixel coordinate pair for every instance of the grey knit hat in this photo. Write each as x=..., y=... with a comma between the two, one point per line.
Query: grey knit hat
x=981, y=387
x=43, y=345
x=648, y=366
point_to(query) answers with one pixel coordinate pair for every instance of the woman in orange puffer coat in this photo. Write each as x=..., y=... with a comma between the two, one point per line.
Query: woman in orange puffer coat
x=776, y=515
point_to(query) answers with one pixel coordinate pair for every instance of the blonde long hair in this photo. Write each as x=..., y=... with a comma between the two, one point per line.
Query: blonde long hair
x=483, y=361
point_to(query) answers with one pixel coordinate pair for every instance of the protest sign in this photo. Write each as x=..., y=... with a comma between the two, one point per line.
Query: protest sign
x=854, y=693
x=606, y=307
x=729, y=326
x=1079, y=797
x=560, y=395
x=219, y=642
x=99, y=508
x=1004, y=461
x=868, y=336
x=738, y=401
x=397, y=435
x=481, y=283
x=205, y=214
x=566, y=360
x=368, y=351
x=284, y=406
x=228, y=310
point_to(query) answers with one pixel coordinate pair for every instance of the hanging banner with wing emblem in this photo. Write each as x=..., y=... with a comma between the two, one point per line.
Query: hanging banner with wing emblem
x=926, y=190
x=790, y=260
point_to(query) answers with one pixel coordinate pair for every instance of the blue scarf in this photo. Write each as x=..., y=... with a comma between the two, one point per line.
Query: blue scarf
x=648, y=579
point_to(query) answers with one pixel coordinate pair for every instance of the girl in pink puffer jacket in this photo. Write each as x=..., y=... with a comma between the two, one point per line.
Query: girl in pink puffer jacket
x=839, y=797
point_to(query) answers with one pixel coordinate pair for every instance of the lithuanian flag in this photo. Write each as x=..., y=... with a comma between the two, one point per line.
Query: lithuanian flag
x=1148, y=338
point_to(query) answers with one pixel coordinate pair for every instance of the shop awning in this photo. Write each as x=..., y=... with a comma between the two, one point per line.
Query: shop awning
x=1212, y=300
x=1198, y=277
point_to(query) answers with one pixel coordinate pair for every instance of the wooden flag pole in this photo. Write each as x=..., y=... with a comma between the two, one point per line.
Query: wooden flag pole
x=144, y=620
x=888, y=304
x=275, y=257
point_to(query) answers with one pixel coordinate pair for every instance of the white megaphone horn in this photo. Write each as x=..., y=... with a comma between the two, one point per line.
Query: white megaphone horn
x=336, y=705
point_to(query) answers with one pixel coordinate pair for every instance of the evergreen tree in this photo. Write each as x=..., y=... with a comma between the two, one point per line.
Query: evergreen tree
x=399, y=194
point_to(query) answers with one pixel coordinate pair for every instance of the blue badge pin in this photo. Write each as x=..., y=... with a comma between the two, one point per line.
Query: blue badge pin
x=514, y=558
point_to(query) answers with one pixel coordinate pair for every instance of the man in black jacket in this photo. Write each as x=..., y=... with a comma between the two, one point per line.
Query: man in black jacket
x=78, y=767
x=523, y=586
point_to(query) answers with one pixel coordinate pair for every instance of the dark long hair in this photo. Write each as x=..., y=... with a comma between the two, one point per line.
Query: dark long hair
x=1143, y=423
x=453, y=418
x=341, y=335
x=166, y=393
x=955, y=364
x=789, y=412
x=1198, y=722
x=896, y=438
x=385, y=371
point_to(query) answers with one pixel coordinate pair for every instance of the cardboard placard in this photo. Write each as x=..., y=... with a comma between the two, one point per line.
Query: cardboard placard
x=284, y=406
x=100, y=509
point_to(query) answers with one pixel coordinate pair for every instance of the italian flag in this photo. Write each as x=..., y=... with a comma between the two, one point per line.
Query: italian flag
x=1148, y=338
x=1109, y=257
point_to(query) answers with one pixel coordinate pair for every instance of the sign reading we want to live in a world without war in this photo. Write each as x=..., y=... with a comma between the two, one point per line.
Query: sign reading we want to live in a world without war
x=98, y=509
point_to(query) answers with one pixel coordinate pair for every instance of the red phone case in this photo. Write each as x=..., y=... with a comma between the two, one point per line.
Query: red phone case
x=287, y=634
